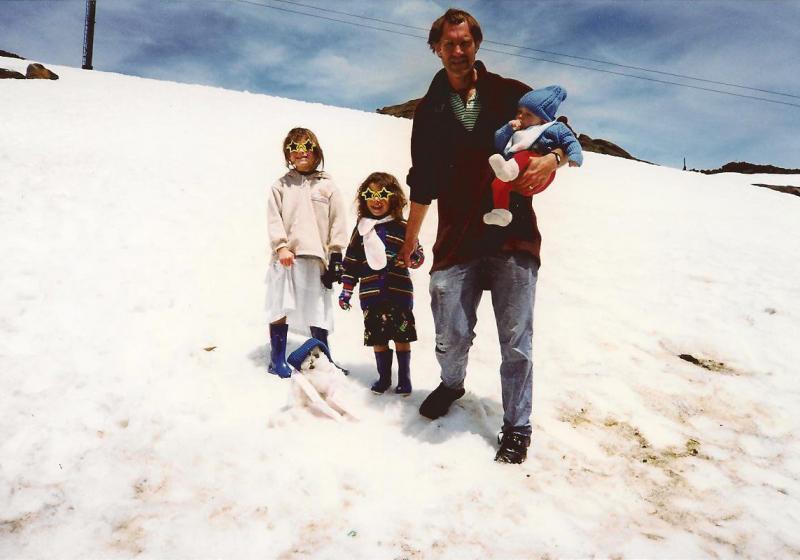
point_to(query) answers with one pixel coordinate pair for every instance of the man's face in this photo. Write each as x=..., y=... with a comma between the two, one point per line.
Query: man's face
x=457, y=49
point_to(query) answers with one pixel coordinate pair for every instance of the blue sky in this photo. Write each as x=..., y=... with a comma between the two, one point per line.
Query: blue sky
x=242, y=45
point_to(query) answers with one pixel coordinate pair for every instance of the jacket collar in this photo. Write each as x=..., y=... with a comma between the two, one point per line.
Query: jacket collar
x=440, y=89
x=295, y=175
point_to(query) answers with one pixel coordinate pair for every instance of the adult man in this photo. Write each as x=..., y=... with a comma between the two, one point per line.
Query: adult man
x=451, y=140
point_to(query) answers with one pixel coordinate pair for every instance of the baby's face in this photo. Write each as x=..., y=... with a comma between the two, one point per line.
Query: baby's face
x=527, y=118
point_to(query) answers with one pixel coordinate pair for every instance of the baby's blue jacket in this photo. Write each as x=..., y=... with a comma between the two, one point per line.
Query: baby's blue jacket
x=557, y=135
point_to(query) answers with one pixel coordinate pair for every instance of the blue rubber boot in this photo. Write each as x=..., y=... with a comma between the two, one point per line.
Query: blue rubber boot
x=384, y=362
x=277, y=351
x=322, y=335
x=403, y=373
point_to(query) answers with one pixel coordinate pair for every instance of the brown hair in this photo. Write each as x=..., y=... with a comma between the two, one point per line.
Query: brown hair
x=454, y=16
x=386, y=181
x=303, y=134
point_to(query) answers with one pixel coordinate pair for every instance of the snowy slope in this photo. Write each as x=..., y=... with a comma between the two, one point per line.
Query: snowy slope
x=133, y=236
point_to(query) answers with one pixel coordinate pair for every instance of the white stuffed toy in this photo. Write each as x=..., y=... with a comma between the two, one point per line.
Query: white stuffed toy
x=317, y=384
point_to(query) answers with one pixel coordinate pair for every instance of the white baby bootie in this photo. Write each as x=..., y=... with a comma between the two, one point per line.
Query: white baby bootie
x=504, y=170
x=497, y=217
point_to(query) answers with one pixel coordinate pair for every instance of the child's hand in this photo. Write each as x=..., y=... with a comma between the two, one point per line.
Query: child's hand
x=334, y=272
x=516, y=124
x=285, y=256
x=344, y=299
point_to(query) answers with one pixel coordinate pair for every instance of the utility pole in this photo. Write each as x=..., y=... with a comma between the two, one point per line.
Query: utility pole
x=88, y=34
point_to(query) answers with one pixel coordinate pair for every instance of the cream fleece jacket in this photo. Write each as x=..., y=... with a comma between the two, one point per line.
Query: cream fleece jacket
x=305, y=213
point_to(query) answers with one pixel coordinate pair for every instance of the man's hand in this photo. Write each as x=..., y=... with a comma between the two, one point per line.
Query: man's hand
x=535, y=175
x=403, y=259
x=415, y=218
x=417, y=257
x=285, y=256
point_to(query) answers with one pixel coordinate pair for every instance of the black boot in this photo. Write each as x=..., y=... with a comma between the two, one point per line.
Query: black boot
x=513, y=448
x=277, y=351
x=403, y=373
x=322, y=335
x=438, y=402
x=384, y=362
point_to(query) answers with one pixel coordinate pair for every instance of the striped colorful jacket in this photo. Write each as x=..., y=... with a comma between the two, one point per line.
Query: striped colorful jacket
x=392, y=283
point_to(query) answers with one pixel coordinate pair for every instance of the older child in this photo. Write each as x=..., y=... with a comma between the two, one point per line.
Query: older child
x=307, y=233
x=534, y=133
x=386, y=292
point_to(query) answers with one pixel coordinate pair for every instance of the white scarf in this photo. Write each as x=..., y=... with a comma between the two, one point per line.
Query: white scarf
x=374, y=248
x=524, y=139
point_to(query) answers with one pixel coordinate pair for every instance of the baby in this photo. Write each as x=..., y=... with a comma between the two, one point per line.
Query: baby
x=534, y=133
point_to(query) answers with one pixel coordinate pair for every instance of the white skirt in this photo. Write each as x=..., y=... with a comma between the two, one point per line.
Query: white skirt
x=296, y=292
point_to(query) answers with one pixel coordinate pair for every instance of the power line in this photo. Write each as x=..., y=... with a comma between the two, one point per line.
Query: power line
x=649, y=79
x=325, y=18
x=365, y=26
x=599, y=61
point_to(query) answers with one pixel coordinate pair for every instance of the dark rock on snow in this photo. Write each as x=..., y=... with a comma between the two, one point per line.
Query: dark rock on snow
x=10, y=55
x=789, y=189
x=749, y=168
x=404, y=110
x=39, y=72
x=10, y=74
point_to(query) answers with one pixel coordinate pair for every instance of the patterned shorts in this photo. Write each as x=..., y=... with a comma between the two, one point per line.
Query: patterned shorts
x=387, y=321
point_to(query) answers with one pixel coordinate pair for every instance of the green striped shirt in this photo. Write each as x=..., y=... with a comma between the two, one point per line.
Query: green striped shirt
x=466, y=113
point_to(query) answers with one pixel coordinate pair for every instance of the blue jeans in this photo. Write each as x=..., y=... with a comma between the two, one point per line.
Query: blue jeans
x=455, y=294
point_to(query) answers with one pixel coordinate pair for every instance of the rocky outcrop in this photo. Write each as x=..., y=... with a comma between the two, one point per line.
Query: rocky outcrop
x=749, y=169
x=788, y=189
x=39, y=72
x=752, y=168
x=10, y=55
x=600, y=146
x=404, y=110
x=34, y=72
x=10, y=74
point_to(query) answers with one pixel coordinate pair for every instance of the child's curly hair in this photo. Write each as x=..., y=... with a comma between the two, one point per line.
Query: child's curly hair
x=297, y=134
x=386, y=181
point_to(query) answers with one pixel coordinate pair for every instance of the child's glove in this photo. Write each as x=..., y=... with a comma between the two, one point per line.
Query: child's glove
x=417, y=257
x=334, y=272
x=344, y=299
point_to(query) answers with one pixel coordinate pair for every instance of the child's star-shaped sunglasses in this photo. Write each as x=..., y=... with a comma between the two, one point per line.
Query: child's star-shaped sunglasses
x=295, y=146
x=383, y=194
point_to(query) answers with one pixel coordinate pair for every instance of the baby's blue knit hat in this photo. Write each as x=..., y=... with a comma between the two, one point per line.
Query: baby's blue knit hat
x=544, y=102
x=296, y=358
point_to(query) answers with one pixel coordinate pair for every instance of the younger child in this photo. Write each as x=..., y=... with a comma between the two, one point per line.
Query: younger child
x=386, y=292
x=307, y=233
x=534, y=133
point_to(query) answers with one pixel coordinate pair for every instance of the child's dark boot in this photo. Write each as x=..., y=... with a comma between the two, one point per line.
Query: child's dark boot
x=384, y=362
x=321, y=335
x=403, y=373
x=277, y=351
